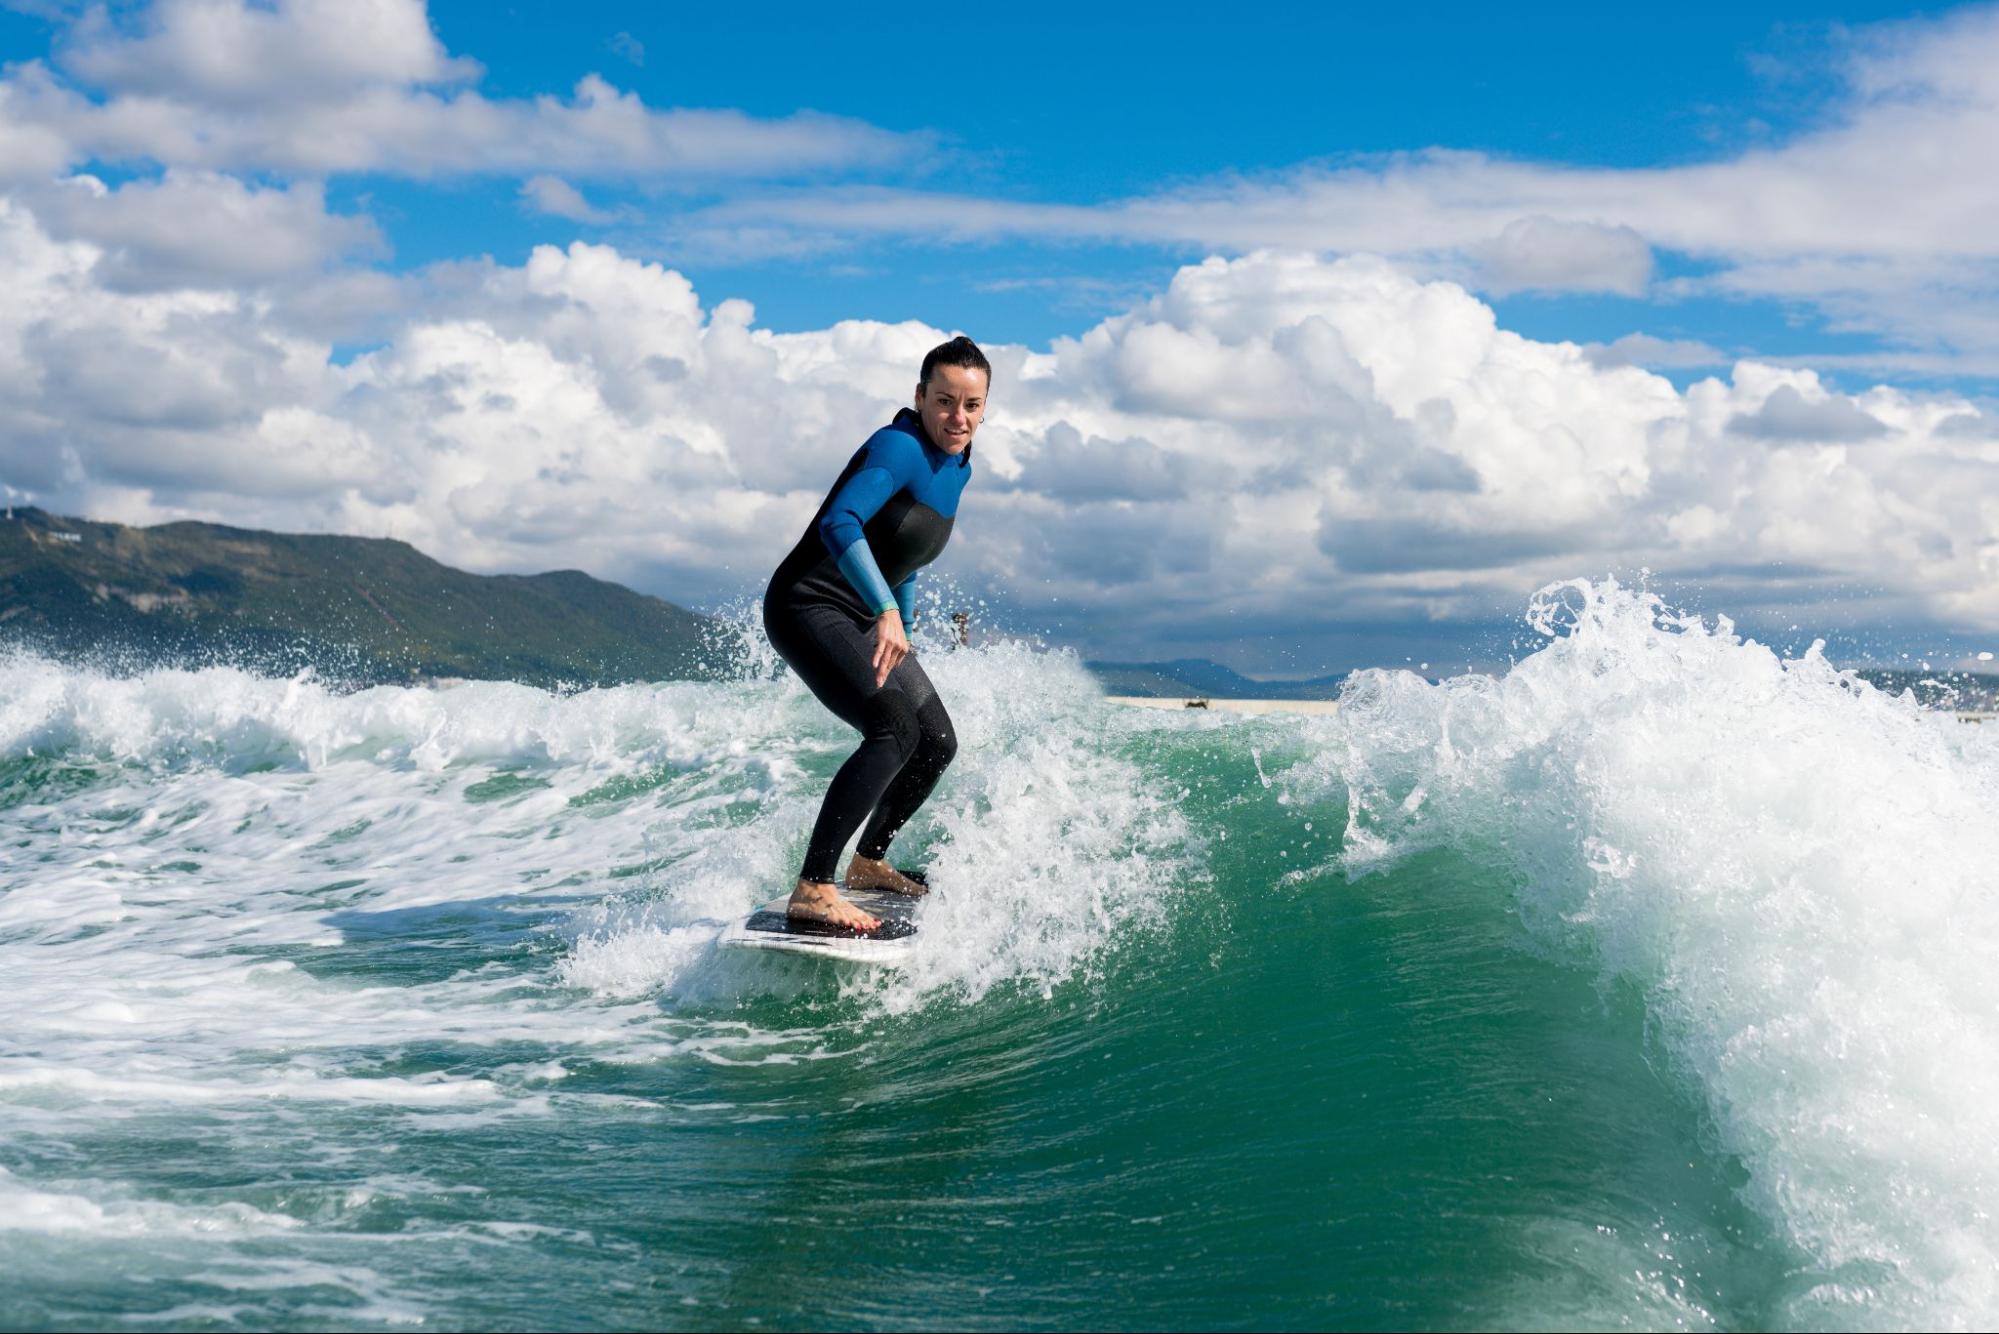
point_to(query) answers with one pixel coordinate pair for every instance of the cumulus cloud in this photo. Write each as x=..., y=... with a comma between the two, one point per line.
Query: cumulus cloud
x=1969, y=426
x=1273, y=439
x=1083, y=470
x=1639, y=349
x=1788, y=415
x=200, y=229
x=1877, y=219
x=1546, y=254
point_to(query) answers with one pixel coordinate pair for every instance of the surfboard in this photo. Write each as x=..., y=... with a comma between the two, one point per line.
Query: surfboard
x=771, y=928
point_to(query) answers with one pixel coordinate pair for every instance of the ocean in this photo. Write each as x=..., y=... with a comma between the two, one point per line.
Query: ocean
x=1648, y=984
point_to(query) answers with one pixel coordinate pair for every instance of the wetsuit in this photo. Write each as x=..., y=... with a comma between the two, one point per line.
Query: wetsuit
x=888, y=515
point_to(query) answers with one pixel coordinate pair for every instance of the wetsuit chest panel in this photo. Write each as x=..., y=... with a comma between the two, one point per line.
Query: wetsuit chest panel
x=904, y=530
x=906, y=535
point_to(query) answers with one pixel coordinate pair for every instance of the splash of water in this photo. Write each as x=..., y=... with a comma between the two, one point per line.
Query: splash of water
x=1040, y=844
x=1792, y=867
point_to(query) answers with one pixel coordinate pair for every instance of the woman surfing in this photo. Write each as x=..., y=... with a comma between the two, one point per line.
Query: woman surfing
x=839, y=610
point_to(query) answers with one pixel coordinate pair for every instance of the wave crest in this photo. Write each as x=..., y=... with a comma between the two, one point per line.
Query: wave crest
x=1793, y=867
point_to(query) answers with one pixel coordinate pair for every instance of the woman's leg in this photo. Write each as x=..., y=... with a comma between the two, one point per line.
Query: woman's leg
x=834, y=657
x=936, y=745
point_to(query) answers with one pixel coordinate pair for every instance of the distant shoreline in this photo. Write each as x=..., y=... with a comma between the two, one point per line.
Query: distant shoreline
x=1332, y=706
x=1227, y=705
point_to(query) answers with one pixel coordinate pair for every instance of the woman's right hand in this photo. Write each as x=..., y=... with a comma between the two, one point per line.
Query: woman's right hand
x=891, y=645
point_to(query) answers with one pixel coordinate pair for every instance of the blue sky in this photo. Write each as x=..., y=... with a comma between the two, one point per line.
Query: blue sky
x=1046, y=103
x=1040, y=104
x=1376, y=319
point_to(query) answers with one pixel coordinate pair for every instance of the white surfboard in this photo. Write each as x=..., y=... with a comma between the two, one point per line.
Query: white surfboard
x=770, y=928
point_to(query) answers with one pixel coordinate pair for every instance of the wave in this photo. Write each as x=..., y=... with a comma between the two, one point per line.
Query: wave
x=1045, y=846
x=1794, y=870
x=222, y=835
x=304, y=917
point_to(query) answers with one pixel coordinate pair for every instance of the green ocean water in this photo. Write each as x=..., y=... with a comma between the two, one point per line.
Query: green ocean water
x=407, y=1008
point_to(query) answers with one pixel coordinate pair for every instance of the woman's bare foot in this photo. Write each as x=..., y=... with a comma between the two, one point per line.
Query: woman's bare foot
x=865, y=873
x=820, y=902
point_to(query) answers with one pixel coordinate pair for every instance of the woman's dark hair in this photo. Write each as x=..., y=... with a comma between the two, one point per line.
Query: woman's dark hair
x=960, y=351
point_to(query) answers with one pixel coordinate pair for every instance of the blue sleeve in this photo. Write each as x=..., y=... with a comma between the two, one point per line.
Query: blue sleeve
x=858, y=564
x=890, y=463
x=905, y=601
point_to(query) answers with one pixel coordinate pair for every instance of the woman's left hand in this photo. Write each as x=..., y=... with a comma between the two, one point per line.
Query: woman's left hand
x=891, y=645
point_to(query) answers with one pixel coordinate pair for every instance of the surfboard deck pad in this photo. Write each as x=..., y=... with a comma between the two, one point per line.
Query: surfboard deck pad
x=770, y=927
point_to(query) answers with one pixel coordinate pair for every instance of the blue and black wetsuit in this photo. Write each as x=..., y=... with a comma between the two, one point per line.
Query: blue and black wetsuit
x=888, y=515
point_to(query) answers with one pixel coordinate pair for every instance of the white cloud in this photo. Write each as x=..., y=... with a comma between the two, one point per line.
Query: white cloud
x=1921, y=122
x=1278, y=438
x=314, y=87
x=1880, y=218
x=558, y=198
x=1544, y=254
x=1788, y=415
x=1638, y=349
x=44, y=9
x=29, y=150
x=628, y=47
x=1969, y=426
x=199, y=229
x=234, y=54
x=156, y=397
x=1877, y=220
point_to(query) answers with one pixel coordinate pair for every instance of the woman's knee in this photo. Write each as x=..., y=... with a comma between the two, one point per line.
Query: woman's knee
x=939, y=745
x=891, y=718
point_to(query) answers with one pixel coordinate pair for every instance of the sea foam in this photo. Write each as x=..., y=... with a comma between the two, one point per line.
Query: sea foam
x=195, y=848
x=1044, y=845
x=1793, y=868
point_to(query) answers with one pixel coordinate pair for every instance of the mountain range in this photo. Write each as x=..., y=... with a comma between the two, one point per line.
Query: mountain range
x=356, y=609
x=363, y=610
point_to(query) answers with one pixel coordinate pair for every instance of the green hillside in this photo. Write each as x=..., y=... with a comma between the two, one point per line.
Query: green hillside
x=355, y=609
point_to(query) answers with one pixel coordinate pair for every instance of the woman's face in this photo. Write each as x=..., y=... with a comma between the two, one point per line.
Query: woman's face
x=952, y=405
